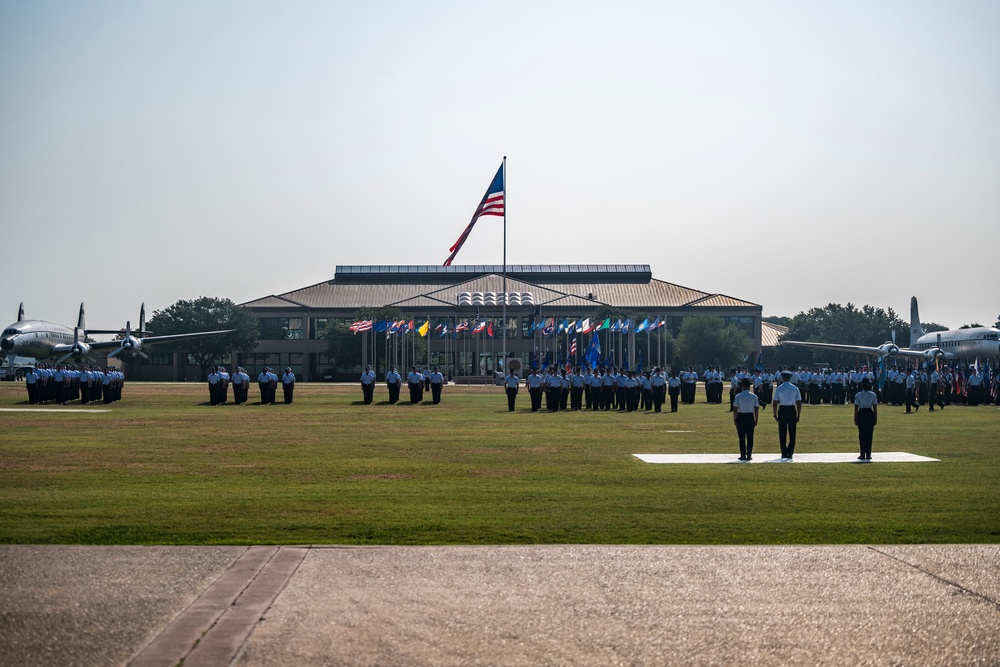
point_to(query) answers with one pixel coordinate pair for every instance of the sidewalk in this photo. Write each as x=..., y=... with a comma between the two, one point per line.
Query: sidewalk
x=579, y=605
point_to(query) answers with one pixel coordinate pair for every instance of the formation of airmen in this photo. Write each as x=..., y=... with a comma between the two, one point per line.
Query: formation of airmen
x=600, y=389
x=417, y=383
x=61, y=384
x=219, y=381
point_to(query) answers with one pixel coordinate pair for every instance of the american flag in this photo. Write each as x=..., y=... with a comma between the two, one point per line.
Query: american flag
x=462, y=326
x=363, y=325
x=492, y=204
x=572, y=348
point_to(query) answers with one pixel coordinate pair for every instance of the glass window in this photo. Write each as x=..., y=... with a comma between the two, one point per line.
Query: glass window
x=160, y=358
x=318, y=324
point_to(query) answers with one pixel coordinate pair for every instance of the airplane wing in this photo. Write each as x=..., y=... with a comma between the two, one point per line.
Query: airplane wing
x=856, y=349
x=153, y=340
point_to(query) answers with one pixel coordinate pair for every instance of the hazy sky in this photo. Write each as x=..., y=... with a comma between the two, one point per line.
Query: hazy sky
x=788, y=153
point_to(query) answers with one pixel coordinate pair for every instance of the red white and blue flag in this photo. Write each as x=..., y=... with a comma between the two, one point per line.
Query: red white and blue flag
x=462, y=326
x=492, y=204
x=479, y=328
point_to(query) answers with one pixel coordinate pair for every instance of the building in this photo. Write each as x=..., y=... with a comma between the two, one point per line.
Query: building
x=291, y=323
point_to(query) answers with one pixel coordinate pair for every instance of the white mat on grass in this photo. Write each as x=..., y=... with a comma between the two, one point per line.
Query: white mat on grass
x=48, y=410
x=838, y=457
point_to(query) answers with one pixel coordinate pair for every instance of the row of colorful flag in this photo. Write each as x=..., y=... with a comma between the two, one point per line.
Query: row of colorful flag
x=549, y=326
x=403, y=327
x=546, y=326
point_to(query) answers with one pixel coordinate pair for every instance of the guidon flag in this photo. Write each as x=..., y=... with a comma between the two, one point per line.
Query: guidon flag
x=492, y=204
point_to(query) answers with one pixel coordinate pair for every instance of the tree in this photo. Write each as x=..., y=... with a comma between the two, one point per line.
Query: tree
x=974, y=325
x=207, y=314
x=848, y=325
x=706, y=341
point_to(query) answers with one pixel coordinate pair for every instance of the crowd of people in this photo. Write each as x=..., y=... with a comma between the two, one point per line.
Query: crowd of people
x=62, y=383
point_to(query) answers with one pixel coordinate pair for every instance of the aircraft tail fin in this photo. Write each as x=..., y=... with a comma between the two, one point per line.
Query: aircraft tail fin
x=142, y=320
x=916, y=331
x=20, y=312
x=81, y=322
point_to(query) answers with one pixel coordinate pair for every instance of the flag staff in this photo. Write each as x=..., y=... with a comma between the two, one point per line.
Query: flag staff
x=503, y=366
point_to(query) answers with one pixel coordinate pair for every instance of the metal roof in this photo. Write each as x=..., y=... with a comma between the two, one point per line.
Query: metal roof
x=651, y=294
x=425, y=274
x=771, y=333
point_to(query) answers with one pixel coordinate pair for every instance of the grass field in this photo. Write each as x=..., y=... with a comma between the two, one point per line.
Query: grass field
x=164, y=468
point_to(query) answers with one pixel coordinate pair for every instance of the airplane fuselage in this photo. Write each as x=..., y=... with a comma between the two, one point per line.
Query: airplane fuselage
x=35, y=339
x=962, y=343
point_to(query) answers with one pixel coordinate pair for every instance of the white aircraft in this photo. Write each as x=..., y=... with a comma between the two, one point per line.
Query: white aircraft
x=37, y=339
x=950, y=344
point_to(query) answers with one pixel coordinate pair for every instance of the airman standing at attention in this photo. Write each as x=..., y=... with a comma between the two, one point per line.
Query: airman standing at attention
x=674, y=389
x=865, y=418
x=911, y=391
x=213, y=385
x=368, y=385
x=746, y=408
x=272, y=385
x=608, y=389
x=223, y=386
x=393, y=382
x=787, y=406
x=414, y=382
x=658, y=383
x=31, y=384
x=511, y=383
x=241, y=382
x=535, y=385
x=577, y=384
x=596, y=385
x=437, y=381
x=288, y=384
x=262, y=381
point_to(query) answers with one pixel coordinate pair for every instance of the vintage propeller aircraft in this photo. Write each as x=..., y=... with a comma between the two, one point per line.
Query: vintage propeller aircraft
x=928, y=347
x=38, y=339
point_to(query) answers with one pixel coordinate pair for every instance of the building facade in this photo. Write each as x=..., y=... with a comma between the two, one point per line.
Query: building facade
x=445, y=297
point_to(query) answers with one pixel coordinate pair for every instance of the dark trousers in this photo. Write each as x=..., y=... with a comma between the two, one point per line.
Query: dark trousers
x=657, y=398
x=511, y=397
x=368, y=392
x=674, y=392
x=288, y=388
x=536, y=399
x=595, y=398
x=436, y=392
x=620, y=399
x=866, y=429
x=586, y=396
x=911, y=400
x=263, y=391
x=576, y=398
x=647, y=399
x=744, y=429
x=414, y=388
x=32, y=393
x=394, y=392
x=786, y=430
x=607, y=396
x=553, y=399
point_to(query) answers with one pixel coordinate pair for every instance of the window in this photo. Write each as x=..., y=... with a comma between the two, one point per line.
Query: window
x=317, y=324
x=280, y=328
x=160, y=359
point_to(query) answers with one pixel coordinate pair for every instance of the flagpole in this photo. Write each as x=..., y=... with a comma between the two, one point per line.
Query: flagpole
x=503, y=368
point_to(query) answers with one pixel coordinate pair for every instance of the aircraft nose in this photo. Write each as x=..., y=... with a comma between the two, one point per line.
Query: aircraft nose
x=7, y=343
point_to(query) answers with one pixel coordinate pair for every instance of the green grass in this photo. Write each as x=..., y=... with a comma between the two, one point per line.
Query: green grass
x=163, y=468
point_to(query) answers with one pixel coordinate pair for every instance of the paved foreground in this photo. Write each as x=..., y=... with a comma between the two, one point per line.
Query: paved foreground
x=560, y=605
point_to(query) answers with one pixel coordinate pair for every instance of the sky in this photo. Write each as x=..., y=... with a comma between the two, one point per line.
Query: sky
x=792, y=154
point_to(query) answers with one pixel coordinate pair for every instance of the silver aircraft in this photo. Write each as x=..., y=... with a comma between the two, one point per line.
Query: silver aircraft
x=950, y=344
x=37, y=339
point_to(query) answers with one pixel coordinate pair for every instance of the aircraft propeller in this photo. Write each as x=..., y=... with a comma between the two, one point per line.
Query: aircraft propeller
x=80, y=348
x=130, y=343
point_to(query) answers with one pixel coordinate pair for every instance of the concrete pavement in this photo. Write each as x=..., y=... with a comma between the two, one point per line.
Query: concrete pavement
x=558, y=605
